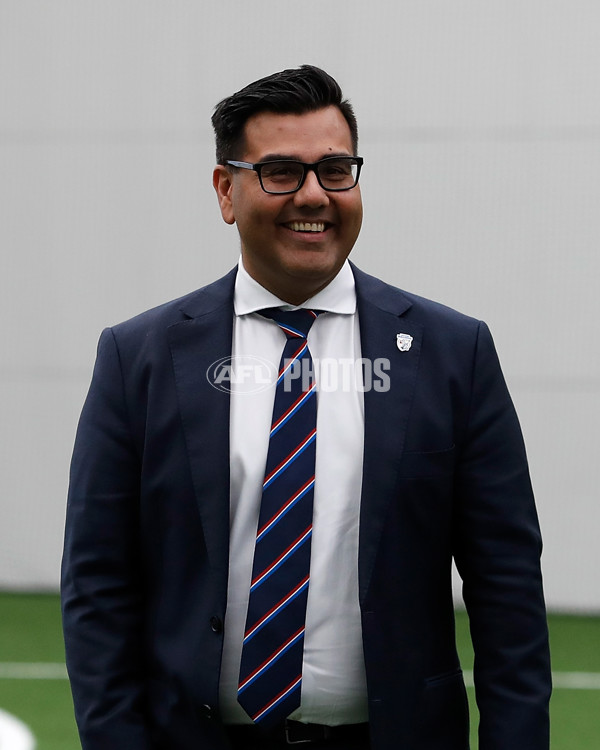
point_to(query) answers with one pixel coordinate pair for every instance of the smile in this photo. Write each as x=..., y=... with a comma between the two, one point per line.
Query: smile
x=305, y=226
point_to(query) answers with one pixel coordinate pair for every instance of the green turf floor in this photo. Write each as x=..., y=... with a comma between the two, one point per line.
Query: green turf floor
x=575, y=714
x=30, y=632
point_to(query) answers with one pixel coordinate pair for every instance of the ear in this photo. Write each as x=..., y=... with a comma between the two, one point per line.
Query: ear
x=223, y=185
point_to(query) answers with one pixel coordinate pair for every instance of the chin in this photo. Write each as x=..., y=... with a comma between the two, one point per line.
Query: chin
x=313, y=260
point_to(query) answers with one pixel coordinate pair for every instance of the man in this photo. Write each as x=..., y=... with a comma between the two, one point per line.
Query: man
x=413, y=460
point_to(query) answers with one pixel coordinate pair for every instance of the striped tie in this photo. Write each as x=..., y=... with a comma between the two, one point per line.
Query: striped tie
x=271, y=664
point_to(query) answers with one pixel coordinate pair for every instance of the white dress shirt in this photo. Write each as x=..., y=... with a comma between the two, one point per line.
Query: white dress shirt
x=333, y=677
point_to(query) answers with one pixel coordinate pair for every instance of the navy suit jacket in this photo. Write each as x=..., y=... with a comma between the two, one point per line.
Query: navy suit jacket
x=445, y=476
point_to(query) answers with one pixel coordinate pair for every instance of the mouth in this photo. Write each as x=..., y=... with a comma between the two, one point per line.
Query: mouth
x=309, y=227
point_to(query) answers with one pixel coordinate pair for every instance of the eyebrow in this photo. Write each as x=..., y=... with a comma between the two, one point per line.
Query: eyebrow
x=291, y=157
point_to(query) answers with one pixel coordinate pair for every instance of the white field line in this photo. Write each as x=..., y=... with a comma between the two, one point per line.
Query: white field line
x=35, y=670
x=562, y=680
x=14, y=735
x=577, y=680
x=19, y=670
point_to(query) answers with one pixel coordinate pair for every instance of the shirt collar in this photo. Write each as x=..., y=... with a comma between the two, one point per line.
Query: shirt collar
x=339, y=296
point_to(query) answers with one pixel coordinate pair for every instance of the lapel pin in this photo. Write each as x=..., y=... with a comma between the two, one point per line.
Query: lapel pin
x=403, y=341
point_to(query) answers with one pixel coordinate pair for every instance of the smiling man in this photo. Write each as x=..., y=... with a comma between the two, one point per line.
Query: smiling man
x=254, y=562
x=293, y=243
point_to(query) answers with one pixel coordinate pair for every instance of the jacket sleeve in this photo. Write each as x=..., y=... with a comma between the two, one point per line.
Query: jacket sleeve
x=497, y=552
x=102, y=590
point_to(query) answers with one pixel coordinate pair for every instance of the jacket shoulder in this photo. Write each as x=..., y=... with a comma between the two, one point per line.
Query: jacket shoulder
x=191, y=305
x=410, y=305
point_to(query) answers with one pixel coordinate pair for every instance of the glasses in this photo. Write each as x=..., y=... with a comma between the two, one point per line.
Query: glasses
x=334, y=173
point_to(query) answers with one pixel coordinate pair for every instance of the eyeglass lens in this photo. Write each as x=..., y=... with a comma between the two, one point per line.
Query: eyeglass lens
x=333, y=174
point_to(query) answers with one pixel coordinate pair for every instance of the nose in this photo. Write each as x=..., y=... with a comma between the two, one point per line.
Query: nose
x=311, y=194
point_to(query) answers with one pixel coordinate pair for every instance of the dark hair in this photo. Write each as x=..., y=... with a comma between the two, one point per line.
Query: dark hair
x=293, y=91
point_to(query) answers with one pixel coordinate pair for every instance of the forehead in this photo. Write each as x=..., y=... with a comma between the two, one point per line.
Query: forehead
x=307, y=137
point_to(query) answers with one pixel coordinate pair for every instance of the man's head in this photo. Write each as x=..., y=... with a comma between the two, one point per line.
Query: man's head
x=293, y=242
x=294, y=91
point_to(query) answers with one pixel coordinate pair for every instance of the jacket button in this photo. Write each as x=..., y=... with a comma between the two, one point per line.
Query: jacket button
x=216, y=624
x=206, y=711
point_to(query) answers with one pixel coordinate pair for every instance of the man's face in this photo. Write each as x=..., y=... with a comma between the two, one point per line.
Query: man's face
x=291, y=263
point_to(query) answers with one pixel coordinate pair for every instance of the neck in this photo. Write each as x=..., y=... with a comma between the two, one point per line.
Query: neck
x=292, y=290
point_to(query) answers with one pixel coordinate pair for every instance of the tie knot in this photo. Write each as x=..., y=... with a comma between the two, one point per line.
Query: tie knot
x=294, y=323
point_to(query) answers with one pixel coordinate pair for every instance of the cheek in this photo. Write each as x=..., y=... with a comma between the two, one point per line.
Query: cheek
x=351, y=202
x=353, y=215
x=256, y=214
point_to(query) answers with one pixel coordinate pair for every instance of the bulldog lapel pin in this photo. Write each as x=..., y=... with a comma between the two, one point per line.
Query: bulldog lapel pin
x=403, y=341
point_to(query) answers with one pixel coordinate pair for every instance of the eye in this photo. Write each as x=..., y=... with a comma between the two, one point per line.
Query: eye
x=336, y=171
x=281, y=171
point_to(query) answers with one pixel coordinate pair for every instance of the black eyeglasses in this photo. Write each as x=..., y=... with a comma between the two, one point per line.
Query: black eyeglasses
x=334, y=173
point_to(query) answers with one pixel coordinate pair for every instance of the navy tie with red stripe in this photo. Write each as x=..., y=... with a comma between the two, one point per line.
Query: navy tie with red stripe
x=272, y=652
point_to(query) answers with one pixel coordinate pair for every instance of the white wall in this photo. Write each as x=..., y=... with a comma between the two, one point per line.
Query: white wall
x=480, y=128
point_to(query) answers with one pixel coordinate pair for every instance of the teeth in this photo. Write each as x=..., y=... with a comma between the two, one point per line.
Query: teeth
x=304, y=226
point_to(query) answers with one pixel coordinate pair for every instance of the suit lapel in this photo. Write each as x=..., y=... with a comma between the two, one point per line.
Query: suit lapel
x=206, y=336
x=382, y=316
x=196, y=343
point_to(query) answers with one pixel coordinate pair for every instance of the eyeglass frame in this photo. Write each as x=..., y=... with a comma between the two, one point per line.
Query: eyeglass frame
x=307, y=167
